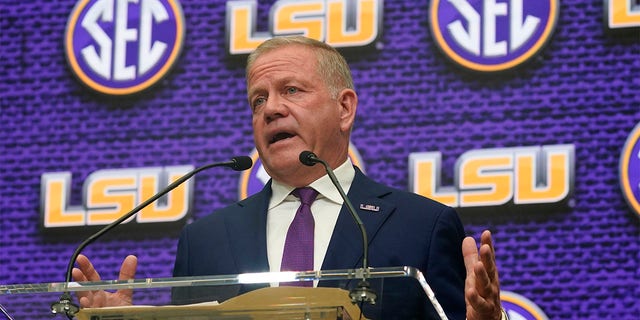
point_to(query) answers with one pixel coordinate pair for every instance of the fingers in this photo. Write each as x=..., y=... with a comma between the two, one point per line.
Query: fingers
x=485, y=238
x=85, y=301
x=84, y=297
x=488, y=256
x=469, y=253
x=99, y=298
x=488, y=259
x=476, y=302
x=483, y=283
x=78, y=275
x=84, y=272
x=476, y=286
x=482, y=289
x=128, y=268
x=127, y=271
x=86, y=267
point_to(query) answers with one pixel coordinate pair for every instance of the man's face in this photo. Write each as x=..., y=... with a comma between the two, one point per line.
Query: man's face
x=293, y=110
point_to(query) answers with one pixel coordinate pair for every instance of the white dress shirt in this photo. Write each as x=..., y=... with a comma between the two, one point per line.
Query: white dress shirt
x=325, y=209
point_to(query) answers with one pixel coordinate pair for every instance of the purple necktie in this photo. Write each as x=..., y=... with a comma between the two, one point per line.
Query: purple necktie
x=298, y=247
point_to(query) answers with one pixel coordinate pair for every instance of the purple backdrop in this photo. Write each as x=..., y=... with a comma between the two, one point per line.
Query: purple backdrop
x=580, y=262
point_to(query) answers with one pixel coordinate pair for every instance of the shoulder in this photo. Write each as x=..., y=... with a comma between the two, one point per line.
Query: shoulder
x=407, y=207
x=400, y=197
x=254, y=205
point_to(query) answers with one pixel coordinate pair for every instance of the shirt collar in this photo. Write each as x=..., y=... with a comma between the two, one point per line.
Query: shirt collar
x=344, y=173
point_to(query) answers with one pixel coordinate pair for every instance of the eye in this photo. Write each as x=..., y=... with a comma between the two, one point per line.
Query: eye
x=292, y=90
x=258, y=102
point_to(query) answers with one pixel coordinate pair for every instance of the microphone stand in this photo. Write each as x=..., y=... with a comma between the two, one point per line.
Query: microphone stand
x=362, y=292
x=65, y=305
x=5, y=313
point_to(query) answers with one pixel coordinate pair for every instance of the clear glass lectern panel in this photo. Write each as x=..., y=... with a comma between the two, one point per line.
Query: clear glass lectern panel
x=245, y=296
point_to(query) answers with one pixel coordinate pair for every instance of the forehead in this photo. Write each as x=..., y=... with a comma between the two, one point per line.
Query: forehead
x=293, y=58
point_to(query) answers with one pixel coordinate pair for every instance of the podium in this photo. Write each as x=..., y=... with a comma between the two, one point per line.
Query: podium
x=267, y=303
x=153, y=296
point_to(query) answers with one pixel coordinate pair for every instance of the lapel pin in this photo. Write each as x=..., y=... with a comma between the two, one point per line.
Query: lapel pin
x=369, y=207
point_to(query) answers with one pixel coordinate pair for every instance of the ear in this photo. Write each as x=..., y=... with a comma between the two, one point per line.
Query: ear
x=348, y=103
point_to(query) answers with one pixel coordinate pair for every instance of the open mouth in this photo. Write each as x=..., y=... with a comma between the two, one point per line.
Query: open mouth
x=280, y=136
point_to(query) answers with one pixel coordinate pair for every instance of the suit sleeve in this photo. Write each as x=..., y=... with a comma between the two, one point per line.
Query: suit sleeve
x=445, y=271
x=181, y=266
x=181, y=295
x=203, y=251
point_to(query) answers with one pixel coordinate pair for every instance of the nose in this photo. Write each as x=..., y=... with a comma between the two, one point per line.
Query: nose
x=275, y=108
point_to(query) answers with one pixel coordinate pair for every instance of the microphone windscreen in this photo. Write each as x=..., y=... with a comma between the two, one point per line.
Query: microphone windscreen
x=308, y=158
x=241, y=163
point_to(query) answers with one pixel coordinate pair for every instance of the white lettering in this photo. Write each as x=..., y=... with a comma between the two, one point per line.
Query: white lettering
x=520, y=32
x=469, y=40
x=113, y=54
x=520, y=29
x=148, y=54
x=123, y=35
x=491, y=11
x=99, y=63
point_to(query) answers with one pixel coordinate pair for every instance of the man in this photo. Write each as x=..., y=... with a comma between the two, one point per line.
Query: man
x=302, y=98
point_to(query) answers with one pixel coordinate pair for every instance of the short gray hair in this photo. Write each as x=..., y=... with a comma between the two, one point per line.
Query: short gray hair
x=331, y=65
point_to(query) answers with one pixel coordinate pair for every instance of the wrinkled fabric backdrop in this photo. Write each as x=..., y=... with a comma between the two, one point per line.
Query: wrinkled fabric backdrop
x=575, y=261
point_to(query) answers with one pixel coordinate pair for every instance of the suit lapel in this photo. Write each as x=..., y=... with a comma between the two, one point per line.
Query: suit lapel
x=345, y=248
x=248, y=228
x=249, y=224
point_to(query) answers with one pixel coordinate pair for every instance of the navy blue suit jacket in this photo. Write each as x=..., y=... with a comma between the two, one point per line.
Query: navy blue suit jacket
x=408, y=230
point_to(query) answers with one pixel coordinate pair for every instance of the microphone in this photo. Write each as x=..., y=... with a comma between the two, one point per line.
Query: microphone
x=65, y=305
x=362, y=293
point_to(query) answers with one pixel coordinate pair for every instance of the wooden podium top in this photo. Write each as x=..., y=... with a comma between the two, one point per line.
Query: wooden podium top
x=266, y=303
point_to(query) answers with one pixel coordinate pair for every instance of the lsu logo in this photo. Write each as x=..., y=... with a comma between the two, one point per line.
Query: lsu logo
x=252, y=181
x=630, y=170
x=492, y=35
x=494, y=177
x=518, y=307
x=110, y=194
x=121, y=47
x=622, y=14
x=339, y=23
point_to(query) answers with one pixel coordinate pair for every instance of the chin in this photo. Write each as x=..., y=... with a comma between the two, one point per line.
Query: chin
x=281, y=165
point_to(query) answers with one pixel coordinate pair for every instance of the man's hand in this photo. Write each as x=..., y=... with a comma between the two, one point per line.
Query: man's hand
x=482, y=287
x=101, y=298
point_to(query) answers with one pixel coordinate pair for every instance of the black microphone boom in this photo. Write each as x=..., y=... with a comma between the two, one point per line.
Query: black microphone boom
x=362, y=293
x=65, y=305
x=310, y=159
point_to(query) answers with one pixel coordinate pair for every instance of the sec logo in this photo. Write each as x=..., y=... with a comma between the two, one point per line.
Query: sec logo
x=488, y=35
x=630, y=170
x=253, y=180
x=121, y=47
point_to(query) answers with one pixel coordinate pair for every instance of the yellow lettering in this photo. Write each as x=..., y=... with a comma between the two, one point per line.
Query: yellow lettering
x=54, y=207
x=110, y=194
x=241, y=26
x=623, y=14
x=492, y=177
x=486, y=181
x=176, y=206
x=529, y=190
x=425, y=178
x=109, y=199
x=295, y=18
x=364, y=32
x=340, y=23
